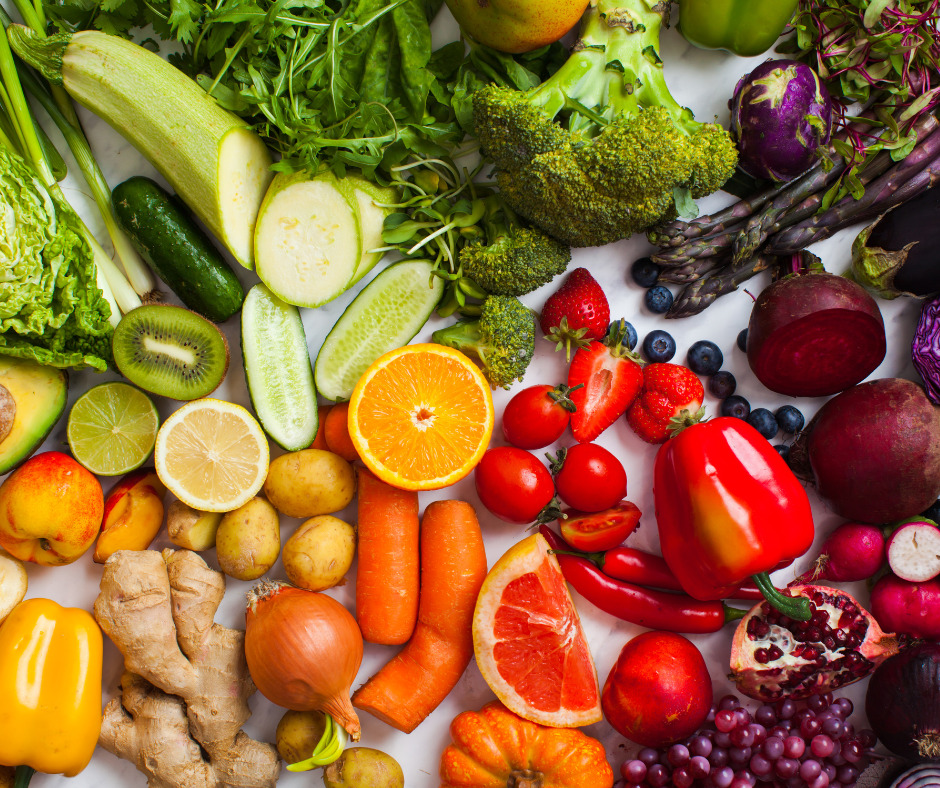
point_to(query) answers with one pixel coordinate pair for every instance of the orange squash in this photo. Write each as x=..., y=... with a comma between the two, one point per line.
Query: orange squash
x=494, y=748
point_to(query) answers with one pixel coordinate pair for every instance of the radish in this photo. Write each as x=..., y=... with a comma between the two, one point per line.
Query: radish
x=814, y=334
x=914, y=551
x=853, y=551
x=907, y=608
x=873, y=451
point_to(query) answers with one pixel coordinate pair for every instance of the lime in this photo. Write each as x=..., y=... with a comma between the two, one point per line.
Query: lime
x=112, y=428
x=385, y=316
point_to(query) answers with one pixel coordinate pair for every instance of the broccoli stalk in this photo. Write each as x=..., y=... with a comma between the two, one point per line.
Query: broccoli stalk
x=602, y=150
x=502, y=339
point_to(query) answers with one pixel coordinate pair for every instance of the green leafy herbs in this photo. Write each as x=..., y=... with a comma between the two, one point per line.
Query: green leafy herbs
x=880, y=61
x=347, y=84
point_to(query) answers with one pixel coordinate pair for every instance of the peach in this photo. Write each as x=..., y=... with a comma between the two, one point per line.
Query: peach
x=50, y=510
x=133, y=514
x=516, y=25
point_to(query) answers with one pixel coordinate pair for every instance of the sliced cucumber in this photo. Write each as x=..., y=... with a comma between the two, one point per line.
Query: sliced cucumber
x=277, y=368
x=386, y=315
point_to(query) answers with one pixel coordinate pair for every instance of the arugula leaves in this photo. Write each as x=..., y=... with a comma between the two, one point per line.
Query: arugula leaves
x=341, y=83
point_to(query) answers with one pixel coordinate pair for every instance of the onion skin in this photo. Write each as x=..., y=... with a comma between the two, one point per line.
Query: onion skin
x=903, y=702
x=303, y=651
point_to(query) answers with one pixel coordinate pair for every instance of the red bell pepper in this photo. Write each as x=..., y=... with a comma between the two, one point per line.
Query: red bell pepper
x=728, y=506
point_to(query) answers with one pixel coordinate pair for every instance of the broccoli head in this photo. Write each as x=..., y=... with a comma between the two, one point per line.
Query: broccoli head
x=601, y=150
x=503, y=339
x=512, y=259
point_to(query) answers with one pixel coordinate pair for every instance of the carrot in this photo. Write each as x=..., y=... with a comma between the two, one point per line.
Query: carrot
x=336, y=432
x=387, y=578
x=319, y=442
x=453, y=565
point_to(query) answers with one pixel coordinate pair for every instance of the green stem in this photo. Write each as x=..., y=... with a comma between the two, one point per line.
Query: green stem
x=23, y=775
x=796, y=607
x=733, y=613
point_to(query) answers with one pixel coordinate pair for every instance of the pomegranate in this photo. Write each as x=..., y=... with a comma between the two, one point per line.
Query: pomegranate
x=659, y=690
x=773, y=656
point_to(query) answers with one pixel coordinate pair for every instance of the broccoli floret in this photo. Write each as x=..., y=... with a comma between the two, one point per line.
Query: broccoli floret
x=601, y=150
x=503, y=339
x=511, y=259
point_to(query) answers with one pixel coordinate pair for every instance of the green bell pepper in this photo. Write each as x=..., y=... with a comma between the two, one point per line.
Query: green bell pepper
x=744, y=27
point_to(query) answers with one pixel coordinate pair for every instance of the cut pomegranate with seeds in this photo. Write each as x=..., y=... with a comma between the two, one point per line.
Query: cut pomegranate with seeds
x=773, y=656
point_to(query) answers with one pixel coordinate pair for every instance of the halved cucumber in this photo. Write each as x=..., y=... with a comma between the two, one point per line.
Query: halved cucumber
x=386, y=315
x=277, y=368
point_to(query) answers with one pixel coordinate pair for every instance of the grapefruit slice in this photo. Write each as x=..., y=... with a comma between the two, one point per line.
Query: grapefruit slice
x=529, y=643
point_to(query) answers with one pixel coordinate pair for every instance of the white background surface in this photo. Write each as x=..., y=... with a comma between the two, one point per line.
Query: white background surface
x=702, y=80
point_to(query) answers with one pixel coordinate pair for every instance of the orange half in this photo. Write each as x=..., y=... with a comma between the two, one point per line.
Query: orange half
x=529, y=643
x=421, y=417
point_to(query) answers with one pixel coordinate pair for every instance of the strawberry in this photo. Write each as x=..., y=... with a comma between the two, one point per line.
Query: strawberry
x=670, y=398
x=576, y=313
x=610, y=377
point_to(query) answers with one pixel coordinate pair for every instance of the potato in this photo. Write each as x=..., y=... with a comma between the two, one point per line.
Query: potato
x=248, y=540
x=190, y=528
x=310, y=482
x=319, y=553
x=363, y=767
x=7, y=776
x=298, y=733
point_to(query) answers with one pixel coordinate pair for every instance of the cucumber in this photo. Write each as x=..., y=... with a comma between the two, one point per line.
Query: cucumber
x=277, y=368
x=386, y=315
x=176, y=249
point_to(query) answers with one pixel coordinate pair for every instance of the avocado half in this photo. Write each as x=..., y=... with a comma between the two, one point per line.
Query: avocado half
x=39, y=395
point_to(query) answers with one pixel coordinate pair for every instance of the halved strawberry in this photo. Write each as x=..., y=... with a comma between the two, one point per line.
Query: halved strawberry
x=671, y=396
x=610, y=376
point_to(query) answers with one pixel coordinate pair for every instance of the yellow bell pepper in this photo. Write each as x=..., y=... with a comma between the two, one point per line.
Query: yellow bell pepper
x=50, y=687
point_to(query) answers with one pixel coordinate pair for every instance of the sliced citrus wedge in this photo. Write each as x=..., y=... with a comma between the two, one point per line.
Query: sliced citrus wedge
x=212, y=455
x=529, y=643
x=421, y=416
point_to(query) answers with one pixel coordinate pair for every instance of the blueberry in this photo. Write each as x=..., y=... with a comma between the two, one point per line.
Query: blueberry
x=659, y=346
x=644, y=272
x=933, y=513
x=722, y=384
x=789, y=419
x=783, y=450
x=629, y=333
x=764, y=422
x=704, y=357
x=736, y=406
x=658, y=299
x=742, y=340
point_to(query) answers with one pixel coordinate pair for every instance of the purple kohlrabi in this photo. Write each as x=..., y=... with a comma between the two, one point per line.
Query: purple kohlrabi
x=781, y=114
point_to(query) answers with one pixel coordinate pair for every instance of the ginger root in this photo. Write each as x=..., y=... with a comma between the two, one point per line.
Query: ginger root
x=185, y=693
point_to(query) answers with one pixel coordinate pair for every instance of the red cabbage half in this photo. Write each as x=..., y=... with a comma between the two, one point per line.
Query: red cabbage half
x=926, y=348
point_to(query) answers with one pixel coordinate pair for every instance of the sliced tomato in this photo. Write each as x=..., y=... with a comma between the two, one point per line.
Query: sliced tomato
x=597, y=531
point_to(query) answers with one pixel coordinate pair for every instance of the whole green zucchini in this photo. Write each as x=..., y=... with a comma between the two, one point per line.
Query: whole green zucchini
x=176, y=249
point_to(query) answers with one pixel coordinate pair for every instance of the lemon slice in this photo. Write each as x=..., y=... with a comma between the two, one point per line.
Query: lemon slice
x=111, y=428
x=212, y=455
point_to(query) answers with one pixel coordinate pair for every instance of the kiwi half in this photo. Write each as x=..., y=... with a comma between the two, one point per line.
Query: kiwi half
x=170, y=351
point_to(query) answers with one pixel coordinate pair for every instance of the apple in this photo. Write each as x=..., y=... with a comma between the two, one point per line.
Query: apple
x=50, y=510
x=516, y=25
x=133, y=514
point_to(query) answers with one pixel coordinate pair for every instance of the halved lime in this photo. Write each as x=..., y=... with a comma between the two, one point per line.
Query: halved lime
x=112, y=428
x=385, y=316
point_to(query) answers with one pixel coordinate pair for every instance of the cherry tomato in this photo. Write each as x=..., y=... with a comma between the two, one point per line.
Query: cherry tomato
x=513, y=484
x=597, y=531
x=591, y=478
x=537, y=416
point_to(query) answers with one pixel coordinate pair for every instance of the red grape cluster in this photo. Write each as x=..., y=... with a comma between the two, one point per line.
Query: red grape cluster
x=778, y=746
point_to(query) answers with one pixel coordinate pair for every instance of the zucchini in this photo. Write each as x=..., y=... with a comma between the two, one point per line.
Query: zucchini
x=277, y=368
x=176, y=249
x=217, y=165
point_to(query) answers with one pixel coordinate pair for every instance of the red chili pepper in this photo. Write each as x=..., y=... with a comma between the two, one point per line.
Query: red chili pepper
x=652, y=609
x=637, y=566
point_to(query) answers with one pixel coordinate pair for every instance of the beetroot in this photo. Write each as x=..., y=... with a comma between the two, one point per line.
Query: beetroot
x=907, y=608
x=814, y=334
x=853, y=551
x=873, y=451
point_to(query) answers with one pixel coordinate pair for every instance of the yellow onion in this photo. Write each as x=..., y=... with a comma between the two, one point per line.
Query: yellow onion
x=303, y=650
